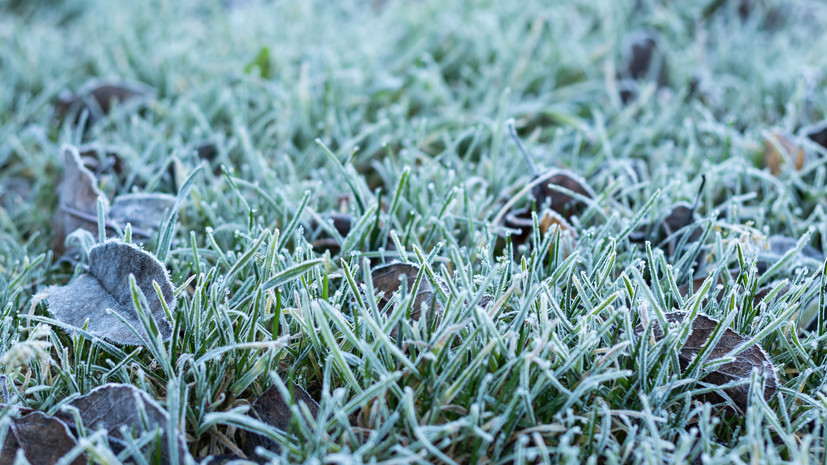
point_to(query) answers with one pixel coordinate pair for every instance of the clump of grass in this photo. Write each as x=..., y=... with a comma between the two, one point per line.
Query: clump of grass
x=400, y=109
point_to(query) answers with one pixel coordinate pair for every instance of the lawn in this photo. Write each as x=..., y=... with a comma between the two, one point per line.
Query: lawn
x=435, y=231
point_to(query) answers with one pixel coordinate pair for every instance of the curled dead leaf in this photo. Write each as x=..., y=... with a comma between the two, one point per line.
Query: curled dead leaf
x=115, y=408
x=78, y=194
x=106, y=287
x=101, y=160
x=562, y=203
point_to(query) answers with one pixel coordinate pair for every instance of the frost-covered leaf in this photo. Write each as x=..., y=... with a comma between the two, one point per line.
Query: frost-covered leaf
x=547, y=183
x=680, y=216
x=102, y=159
x=43, y=440
x=778, y=246
x=564, y=204
x=98, y=97
x=818, y=133
x=753, y=358
x=520, y=221
x=145, y=212
x=387, y=279
x=272, y=408
x=116, y=406
x=78, y=194
x=77, y=199
x=106, y=286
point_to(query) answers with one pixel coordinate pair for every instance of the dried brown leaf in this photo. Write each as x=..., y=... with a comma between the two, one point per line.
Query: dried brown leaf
x=77, y=199
x=562, y=203
x=98, y=97
x=521, y=222
x=272, y=408
x=77, y=208
x=644, y=60
x=322, y=239
x=544, y=194
x=43, y=440
x=387, y=279
x=680, y=216
x=114, y=406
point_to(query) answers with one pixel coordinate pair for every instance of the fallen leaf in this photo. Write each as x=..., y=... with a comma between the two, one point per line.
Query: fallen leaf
x=77, y=199
x=779, y=149
x=818, y=133
x=644, y=61
x=102, y=160
x=718, y=294
x=106, y=286
x=322, y=239
x=114, y=406
x=760, y=294
x=44, y=440
x=145, y=212
x=779, y=245
x=562, y=203
x=272, y=408
x=206, y=151
x=696, y=284
x=520, y=220
x=741, y=369
x=98, y=97
x=77, y=209
x=679, y=216
x=543, y=192
x=387, y=279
